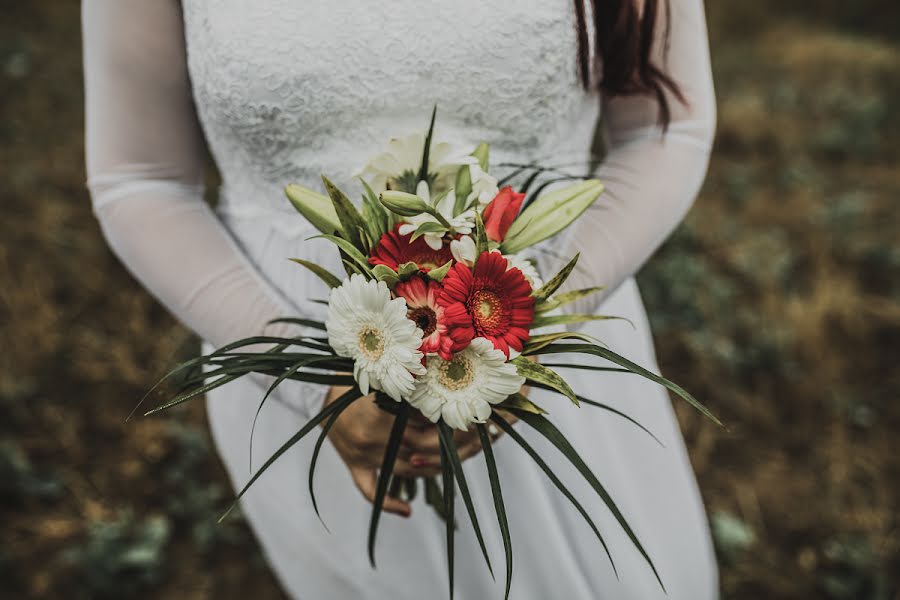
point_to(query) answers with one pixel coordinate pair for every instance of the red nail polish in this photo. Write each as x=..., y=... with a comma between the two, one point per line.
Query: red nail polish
x=417, y=462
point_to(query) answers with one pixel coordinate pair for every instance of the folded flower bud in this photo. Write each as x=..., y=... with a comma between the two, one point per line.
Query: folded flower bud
x=499, y=215
x=403, y=204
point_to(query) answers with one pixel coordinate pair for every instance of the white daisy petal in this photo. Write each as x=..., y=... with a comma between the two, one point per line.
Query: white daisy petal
x=435, y=241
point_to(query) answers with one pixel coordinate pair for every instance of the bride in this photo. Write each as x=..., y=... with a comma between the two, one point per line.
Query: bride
x=283, y=91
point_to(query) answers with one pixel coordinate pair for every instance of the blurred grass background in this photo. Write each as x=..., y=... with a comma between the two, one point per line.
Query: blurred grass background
x=781, y=287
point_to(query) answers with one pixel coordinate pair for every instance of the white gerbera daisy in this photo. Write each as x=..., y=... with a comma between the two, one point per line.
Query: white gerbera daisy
x=462, y=223
x=365, y=324
x=462, y=390
x=399, y=164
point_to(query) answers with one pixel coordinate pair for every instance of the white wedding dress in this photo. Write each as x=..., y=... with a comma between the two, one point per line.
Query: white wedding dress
x=284, y=91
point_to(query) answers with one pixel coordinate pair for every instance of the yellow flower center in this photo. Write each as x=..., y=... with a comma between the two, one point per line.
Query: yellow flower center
x=456, y=374
x=371, y=343
x=488, y=310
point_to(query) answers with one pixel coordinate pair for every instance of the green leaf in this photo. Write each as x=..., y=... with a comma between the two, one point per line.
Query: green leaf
x=386, y=274
x=536, y=342
x=350, y=219
x=365, y=239
x=499, y=506
x=541, y=294
x=481, y=240
x=529, y=200
x=595, y=404
x=449, y=445
x=278, y=381
x=374, y=215
x=350, y=267
x=321, y=272
x=540, y=424
x=387, y=470
x=536, y=457
x=407, y=270
x=320, y=378
x=482, y=153
x=193, y=394
x=518, y=170
x=550, y=214
x=426, y=150
x=337, y=405
x=619, y=413
x=634, y=368
x=530, y=181
x=427, y=227
x=434, y=497
x=462, y=189
x=586, y=367
x=521, y=402
x=351, y=251
x=537, y=372
x=386, y=217
x=314, y=459
x=549, y=320
x=565, y=298
x=449, y=491
x=315, y=207
x=439, y=273
x=305, y=322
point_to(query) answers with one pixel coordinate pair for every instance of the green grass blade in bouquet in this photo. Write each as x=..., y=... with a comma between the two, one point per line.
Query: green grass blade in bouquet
x=449, y=447
x=385, y=473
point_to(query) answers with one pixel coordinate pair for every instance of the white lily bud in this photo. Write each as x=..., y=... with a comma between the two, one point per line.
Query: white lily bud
x=402, y=203
x=549, y=214
x=315, y=207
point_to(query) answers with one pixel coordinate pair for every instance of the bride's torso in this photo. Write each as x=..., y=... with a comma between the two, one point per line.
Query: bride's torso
x=287, y=91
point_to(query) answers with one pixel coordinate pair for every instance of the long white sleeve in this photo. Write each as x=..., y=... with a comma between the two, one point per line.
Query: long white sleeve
x=145, y=166
x=651, y=177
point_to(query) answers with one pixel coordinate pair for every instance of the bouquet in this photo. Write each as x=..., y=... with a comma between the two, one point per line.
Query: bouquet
x=437, y=312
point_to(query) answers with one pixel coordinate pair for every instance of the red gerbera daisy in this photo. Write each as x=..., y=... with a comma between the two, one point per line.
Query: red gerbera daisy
x=394, y=249
x=421, y=300
x=492, y=301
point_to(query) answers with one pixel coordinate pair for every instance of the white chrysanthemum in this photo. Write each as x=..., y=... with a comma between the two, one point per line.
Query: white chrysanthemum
x=403, y=159
x=462, y=223
x=364, y=323
x=462, y=390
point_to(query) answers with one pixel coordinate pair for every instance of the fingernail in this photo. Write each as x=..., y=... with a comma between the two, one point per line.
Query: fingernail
x=417, y=461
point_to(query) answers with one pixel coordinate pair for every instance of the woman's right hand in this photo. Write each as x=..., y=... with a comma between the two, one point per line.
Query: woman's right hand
x=360, y=435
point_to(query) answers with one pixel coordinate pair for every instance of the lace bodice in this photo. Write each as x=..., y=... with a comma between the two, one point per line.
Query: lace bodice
x=286, y=91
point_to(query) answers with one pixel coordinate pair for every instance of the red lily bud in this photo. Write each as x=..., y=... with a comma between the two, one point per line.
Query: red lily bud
x=501, y=212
